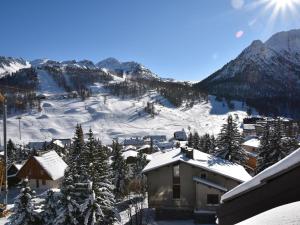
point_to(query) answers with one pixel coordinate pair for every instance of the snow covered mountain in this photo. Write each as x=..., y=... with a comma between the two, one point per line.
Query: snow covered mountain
x=112, y=65
x=267, y=69
x=130, y=69
x=9, y=65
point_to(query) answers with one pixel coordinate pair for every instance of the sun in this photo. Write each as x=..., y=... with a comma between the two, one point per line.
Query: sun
x=282, y=6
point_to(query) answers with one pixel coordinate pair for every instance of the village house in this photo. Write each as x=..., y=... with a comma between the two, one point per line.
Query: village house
x=249, y=130
x=155, y=138
x=187, y=183
x=135, y=141
x=12, y=171
x=275, y=186
x=43, y=172
x=251, y=147
x=180, y=135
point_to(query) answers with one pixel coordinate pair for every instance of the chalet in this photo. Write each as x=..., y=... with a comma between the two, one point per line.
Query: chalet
x=275, y=186
x=135, y=141
x=155, y=138
x=43, y=172
x=180, y=135
x=249, y=130
x=251, y=147
x=165, y=145
x=186, y=183
x=12, y=171
x=146, y=149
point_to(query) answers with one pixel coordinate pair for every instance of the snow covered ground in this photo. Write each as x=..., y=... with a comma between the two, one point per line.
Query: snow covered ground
x=283, y=215
x=114, y=117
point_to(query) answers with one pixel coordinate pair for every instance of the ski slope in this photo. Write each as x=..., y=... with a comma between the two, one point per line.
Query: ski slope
x=112, y=117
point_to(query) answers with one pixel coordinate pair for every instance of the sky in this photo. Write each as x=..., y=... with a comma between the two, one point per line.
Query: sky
x=181, y=39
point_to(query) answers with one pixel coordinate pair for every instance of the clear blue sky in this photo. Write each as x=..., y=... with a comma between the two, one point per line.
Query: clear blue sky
x=183, y=39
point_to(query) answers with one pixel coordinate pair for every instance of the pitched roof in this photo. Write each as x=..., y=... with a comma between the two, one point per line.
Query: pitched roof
x=210, y=184
x=277, y=169
x=201, y=160
x=253, y=142
x=53, y=164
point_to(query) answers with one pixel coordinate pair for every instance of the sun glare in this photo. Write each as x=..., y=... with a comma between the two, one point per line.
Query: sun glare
x=282, y=7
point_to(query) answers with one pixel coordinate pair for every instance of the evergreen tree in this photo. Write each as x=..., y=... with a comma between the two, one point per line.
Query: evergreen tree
x=229, y=143
x=196, y=140
x=24, y=213
x=140, y=164
x=264, y=151
x=100, y=175
x=69, y=212
x=120, y=171
x=50, y=209
x=11, y=151
x=91, y=211
x=190, y=140
x=75, y=161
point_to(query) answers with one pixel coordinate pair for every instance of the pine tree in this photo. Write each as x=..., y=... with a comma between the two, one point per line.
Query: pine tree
x=75, y=161
x=120, y=171
x=229, y=143
x=50, y=209
x=100, y=175
x=24, y=213
x=196, y=140
x=69, y=211
x=190, y=140
x=11, y=151
x=264, y=151
x=91, y=211
x=141, y=162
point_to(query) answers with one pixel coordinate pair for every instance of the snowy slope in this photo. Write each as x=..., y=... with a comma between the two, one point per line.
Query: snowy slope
x=9, y=65
x=117, y=118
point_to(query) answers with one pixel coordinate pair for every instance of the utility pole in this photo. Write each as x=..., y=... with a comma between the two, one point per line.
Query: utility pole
x=19, y=118
x=3, y=100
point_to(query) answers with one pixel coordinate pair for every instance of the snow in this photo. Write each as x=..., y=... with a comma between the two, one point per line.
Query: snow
x=129, y=153
x=202, y=160
x=53, y=164
x=11, y=65
x=276, y=169
x=287, y=214
x=117, y=118
x=253, y=142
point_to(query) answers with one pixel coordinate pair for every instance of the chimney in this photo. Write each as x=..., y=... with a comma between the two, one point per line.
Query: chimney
x=188, y=152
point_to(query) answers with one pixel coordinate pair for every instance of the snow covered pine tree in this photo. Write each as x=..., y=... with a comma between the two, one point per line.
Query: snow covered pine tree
x=229, y=143
x=24, y=213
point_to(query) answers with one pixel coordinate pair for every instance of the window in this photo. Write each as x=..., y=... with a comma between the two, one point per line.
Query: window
x=43, y=182
x=37, y=183
x=203, y=175
x=212, y=199
x=176, y=182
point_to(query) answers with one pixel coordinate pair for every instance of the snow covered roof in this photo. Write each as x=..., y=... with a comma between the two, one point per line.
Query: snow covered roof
x=143, y=147
x=59, y=143
x=253, y=142
x=53, y=164
x=277, y=169
x=286, y=214
x=129, y=153
x=201, y=160
x=129, y=147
